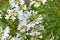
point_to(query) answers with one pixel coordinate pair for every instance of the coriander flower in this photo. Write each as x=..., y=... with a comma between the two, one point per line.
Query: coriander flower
x=6, y=33
x=43, y=1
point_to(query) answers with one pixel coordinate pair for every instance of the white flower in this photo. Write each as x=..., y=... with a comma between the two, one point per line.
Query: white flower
x=21, y=2
x=22, y=30
x=15, y=38
x=40, y=18
x=13, y=18
x=35, y=33
x=43, y=1
x=12, y=4
x=6, y=16
x=19, y=27
x=32, y=33
x=6, y=33
x=20, y=15
x=30, y=25
x=31, y=3
x=9, y=11
x=38, y=33
x=36, y=22
x=40, y=36
x=24, y=7
x=26, y=15
x=41, y=27
x=23, y=22
x=36, y=4
x=16, y=8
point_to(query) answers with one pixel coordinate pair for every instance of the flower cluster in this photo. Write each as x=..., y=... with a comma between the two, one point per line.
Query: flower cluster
x=4, y=33
x=29, y=27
